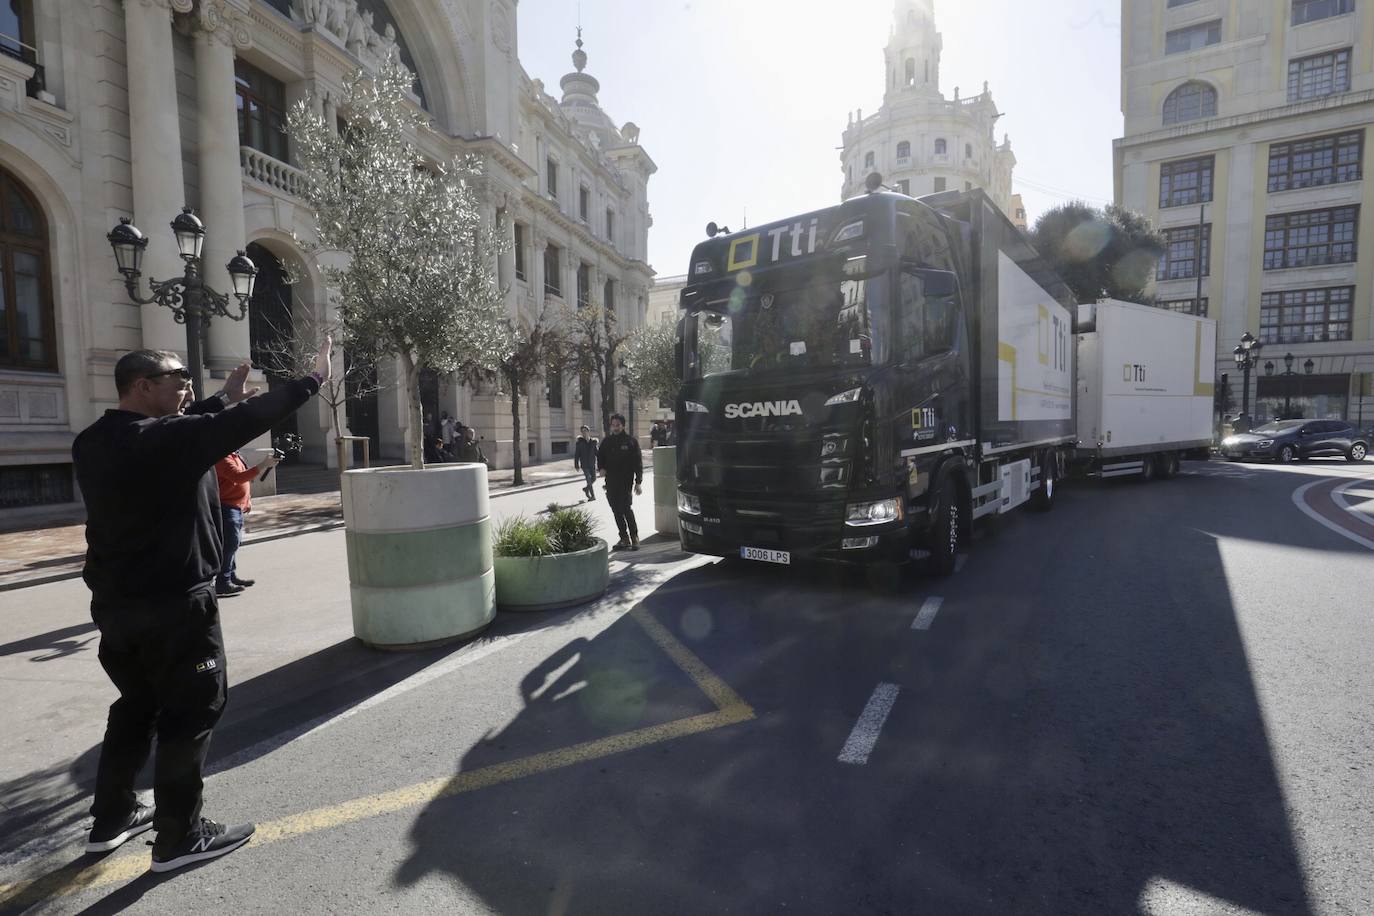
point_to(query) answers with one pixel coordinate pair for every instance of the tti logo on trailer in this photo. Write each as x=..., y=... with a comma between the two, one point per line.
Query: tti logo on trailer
x=1133, y=372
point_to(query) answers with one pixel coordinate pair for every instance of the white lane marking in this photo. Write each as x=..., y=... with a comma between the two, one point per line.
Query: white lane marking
x=865, y=733
x=959, y=562
x=1311, y=513
x=1162, y=897
x=926, y=616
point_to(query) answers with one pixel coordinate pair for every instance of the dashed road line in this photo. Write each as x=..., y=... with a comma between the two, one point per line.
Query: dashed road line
x=865, y=734
x=926, y=616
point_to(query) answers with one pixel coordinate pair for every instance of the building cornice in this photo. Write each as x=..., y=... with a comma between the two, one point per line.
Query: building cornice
x=1264, y=115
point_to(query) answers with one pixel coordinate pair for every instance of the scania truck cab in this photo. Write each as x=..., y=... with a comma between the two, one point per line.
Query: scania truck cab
x=844, y=395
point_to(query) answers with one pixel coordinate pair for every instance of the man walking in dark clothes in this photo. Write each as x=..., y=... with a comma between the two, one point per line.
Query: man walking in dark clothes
x=147, y=474
x=584, y=459
x=623, y=467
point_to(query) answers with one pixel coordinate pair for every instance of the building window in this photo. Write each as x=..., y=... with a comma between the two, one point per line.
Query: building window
x=584, y=390
x=1186, y=306
x=911, y=71
x=16, y=30
x=1188, y=181
x=608, y=295
x=553, y=379
x=1318, y=161
x=610, y=225
x=35, y=485
x=1190, y=102
x=904, y=150
x=1319, y=75
x=551, y=181
x=553, y=286
x=520, y=252
x=1310, y=237
x=1181, y=258
x=1193, y=37
x=584, y=286
x=968, y=150
x=904, y=187
x=939, y=185
x=940, y=146
x=584, y=203
x=27, y=336
x=868, y=160
x=262, y=110
x=1306, y=315
x=1311, y=10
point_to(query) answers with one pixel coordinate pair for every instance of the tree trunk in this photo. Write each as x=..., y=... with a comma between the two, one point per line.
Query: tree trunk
x=515, y=444
x=607, y=402
x=415, y=435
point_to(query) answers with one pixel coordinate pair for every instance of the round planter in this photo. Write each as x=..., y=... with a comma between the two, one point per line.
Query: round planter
x=557, y=580
x=665, y=490
x=419, y=554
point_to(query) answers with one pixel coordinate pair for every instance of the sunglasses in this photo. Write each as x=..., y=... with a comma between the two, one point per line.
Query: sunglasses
x=180, y=372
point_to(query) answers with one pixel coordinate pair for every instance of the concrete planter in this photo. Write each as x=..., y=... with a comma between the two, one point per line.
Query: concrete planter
x=558, y=580
x=419, y=554
x=665, y=490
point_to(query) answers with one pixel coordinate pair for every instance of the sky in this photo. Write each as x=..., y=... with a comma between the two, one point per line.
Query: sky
x=741, y=103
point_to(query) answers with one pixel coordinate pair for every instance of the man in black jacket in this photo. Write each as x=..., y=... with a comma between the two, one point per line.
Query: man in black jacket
x=147, y=475
x=584, y=459
x=623, y=467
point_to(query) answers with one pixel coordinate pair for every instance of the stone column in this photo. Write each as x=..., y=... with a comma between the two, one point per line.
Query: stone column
x=155, y=153
x=221, y=176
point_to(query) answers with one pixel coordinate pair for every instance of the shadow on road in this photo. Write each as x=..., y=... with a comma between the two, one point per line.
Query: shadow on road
x=57, y=643
x=1079, y=729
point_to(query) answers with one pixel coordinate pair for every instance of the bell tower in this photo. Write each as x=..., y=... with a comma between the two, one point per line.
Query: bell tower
x=912, y=55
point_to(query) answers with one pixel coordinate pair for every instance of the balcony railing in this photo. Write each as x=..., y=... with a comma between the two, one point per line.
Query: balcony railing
x=272, y=172
x=13, y=47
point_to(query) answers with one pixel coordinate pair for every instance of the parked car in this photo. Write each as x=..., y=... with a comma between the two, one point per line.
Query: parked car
x=1289, y=440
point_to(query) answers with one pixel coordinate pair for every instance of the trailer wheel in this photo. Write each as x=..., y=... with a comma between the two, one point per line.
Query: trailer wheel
x=1148, y=468
x=1168, y=464
x=946, y=528
x=1042, y=500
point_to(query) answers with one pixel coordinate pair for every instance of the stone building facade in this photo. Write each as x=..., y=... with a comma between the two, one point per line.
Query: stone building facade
x=1245, y=127
x=115, y=108
x=919, y=140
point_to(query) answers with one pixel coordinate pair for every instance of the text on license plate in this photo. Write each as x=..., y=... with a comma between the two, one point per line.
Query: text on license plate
x=767, y=556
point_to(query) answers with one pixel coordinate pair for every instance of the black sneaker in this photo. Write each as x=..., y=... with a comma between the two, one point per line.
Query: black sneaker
x=634, y=542
x=244, y=582
x=112, y=834
x=620, y=544
x=228, y=590
x=207, y=840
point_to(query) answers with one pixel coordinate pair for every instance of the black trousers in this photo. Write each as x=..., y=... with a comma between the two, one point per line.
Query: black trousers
x=618, y=495
x=166, y=657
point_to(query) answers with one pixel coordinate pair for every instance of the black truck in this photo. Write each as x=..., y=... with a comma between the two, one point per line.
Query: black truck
x=863, y=382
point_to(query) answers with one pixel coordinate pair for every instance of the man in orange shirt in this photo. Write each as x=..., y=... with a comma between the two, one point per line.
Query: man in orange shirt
x=235, y=480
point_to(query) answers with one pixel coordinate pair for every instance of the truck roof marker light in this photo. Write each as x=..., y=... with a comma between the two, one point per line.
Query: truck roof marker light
x=850, y=232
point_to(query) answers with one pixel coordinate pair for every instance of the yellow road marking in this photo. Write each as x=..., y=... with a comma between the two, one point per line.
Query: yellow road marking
x=730, y=710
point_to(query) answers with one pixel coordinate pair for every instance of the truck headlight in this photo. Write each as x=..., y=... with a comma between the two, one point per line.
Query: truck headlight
x=688, y=503
x=694, y=407
x=844, y=397
x=833, y=446
x=875, y=513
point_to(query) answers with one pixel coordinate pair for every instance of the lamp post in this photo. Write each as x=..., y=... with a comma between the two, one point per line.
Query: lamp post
x=1289, y=374
x=1247, y=357
x=191, y=301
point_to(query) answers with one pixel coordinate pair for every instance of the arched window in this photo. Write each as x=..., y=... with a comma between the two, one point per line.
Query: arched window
x=868, y=160
x=910, y=71
x=904, y=150
x=1190, y=102
x=27, y=336
x=940, y=147
x=381, y=18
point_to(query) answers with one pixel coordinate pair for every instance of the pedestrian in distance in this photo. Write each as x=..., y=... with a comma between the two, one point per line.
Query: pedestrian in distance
x=469, y=450
x=447, y=429
x=154, y=550
x=655, y=434
x=235, y=483
x=623, y=467
x=585, y=459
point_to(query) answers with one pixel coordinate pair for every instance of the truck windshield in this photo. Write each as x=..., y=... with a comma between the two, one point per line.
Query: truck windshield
x=825, y=325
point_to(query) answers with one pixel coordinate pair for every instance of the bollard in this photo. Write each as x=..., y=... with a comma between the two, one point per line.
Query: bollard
x=665, y=490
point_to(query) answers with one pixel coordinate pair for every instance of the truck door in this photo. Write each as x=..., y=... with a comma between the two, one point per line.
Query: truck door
x=931, y=354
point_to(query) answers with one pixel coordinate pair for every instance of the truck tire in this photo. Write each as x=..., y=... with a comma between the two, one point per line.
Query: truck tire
x=1042, y=500
x=1148, y=468
x=1167, y=464
x=946, y=527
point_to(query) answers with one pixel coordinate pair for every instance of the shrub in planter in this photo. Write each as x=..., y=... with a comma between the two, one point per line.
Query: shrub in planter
x=550, y=562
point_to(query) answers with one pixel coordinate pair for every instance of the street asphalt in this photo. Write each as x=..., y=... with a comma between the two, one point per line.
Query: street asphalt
x=1156, y=699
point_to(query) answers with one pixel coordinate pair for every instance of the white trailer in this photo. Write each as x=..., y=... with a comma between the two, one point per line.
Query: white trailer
x=1145, y=389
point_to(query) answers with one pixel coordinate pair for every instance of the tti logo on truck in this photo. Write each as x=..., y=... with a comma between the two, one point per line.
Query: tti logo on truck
x=747, y=410
x=1133, y=372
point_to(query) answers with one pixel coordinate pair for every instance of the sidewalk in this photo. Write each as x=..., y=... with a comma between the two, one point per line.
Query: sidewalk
x=57, y=551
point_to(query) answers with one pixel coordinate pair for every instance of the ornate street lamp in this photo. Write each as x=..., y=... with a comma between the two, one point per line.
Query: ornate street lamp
x=1289, y=374
x=1246, y=354
x=191, y=301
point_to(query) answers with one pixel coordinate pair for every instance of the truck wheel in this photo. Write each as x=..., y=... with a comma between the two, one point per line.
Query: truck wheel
x=1042, y=500
x=1148, y=470
x=1167, y=464
x=946, y=528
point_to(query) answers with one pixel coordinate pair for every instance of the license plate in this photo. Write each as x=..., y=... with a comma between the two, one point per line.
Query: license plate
x=765, y=555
